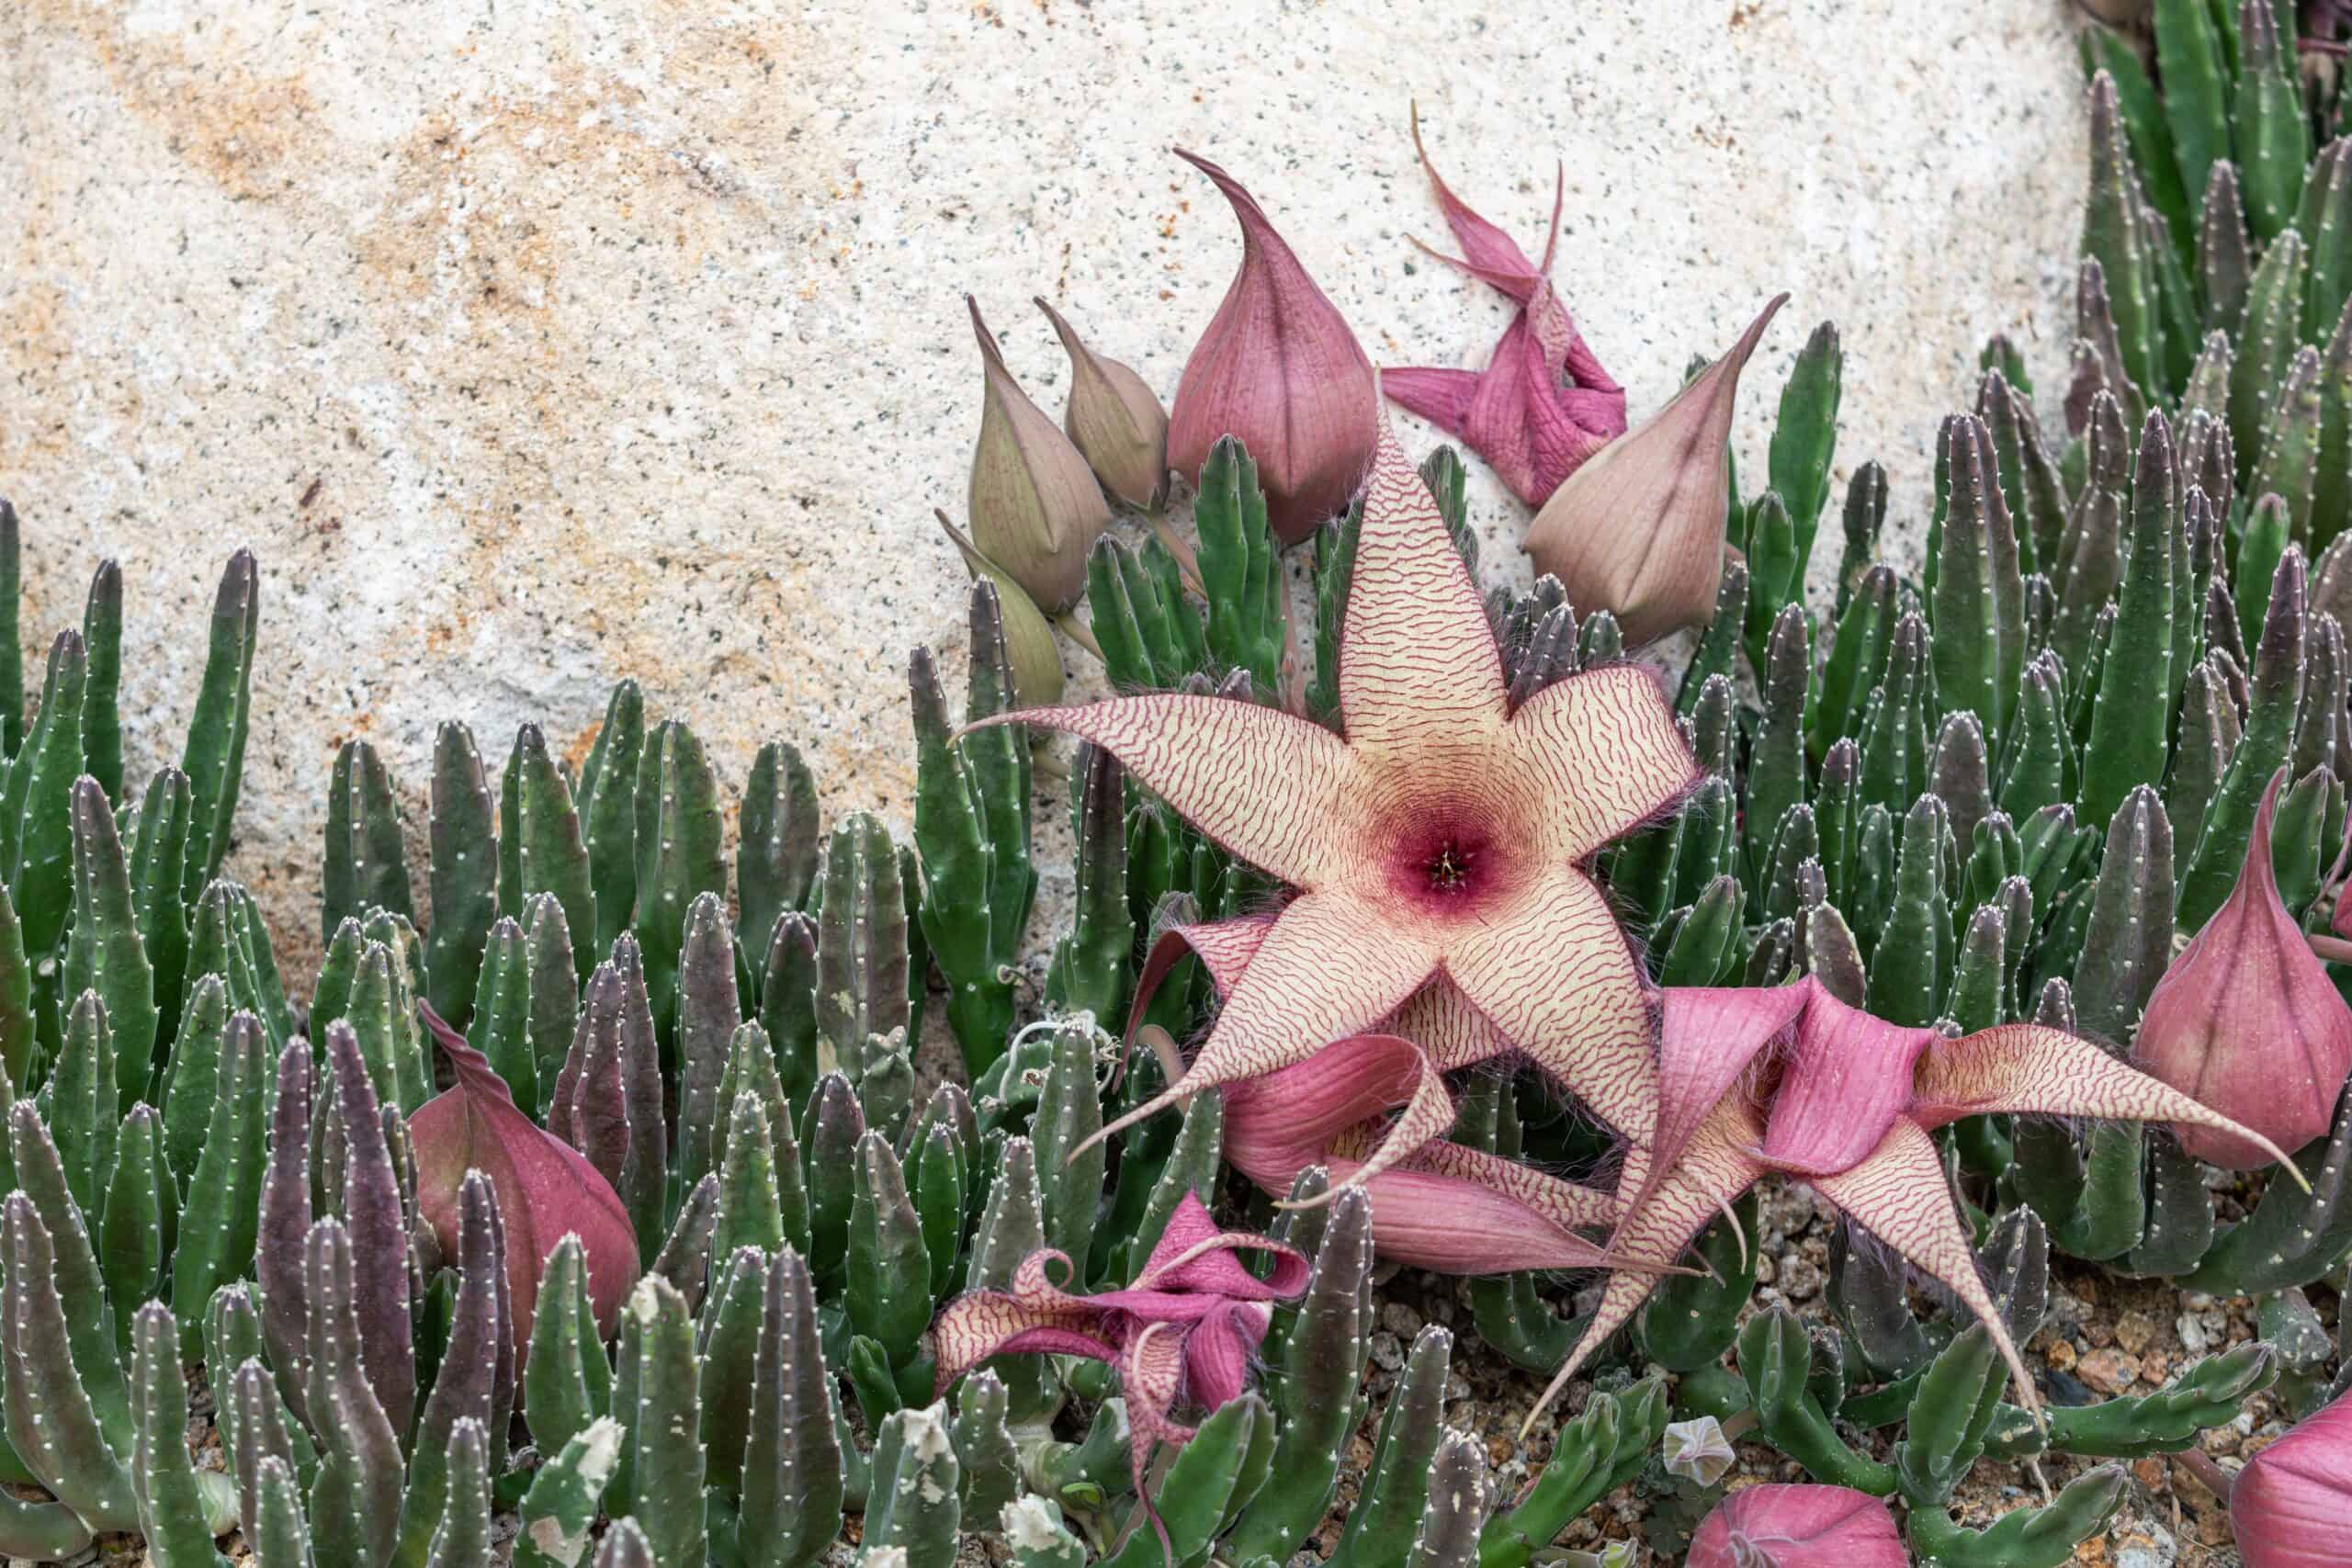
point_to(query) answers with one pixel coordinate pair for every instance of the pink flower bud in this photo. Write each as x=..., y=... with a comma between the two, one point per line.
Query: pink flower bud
x=1798, y=1526
x=1279, y=371
x=1639, y=529
x=1114, y=422
x=546, y=1189
x=2291, y=1506
x=1034, y=506
x=1697, y=1451
x=2247, y=1021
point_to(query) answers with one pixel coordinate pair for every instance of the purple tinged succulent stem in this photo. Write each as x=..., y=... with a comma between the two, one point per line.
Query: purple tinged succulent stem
x=285, y=1223
x=708, y=1012
x=52, y=1422
x=70, y=1265
x=378, y=1224
x=356, y=1501
x=645, y=1166
x=684, y=1257
x=466, y=1388
x=2210, y=1474
x=261, y=1434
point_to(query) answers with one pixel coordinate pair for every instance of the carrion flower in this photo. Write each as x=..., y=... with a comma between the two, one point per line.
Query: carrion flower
x=1791, y=1080
x=546, y=1189
x=2247, y=1020
x=1183, y=1332
x=1639, y=529
x=1439, y=850
x=2292, y=1505
x=1278, y=370
x=1114, y=422
x=1544, y=403
x=1034, y=506
x=1798, y=1526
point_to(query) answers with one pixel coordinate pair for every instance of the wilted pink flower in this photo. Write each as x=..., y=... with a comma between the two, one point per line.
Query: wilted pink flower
x=1798, y=1526
x=1543, y=404
x=1278, y=370
x=1035, y=508
x=1791, y=1080
x=1639, y=529
x=2247, y=1020
x=1435, y=1205
x=546, y=1189
x=2292, y=1505
x=1440, y=846
x=1185, y=1330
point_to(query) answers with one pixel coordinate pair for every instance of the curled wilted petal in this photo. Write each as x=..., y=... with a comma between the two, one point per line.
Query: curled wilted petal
x=1114, y=422
x=1278, y=370
x=1460, y=1214
x=2291, y=1506
x=1798, y=1526
x=1188, y=1326
x=546, y=1189
x=1037, y=673
x=1543, y=404
x=1697, y=1451
x=2247, y=1021
x=1639, y=529
x=1034, y=506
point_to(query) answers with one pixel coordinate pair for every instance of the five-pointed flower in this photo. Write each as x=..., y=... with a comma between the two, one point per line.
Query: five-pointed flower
x=1440, y=846
x=1792, y=1079
x=1544, y=403
x=1186, y=1329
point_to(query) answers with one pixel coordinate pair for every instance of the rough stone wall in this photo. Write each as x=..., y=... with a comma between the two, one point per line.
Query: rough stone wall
x=533, y=343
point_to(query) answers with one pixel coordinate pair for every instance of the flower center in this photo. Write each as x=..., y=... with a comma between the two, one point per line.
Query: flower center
x=1452, y=864
x=1453, y=867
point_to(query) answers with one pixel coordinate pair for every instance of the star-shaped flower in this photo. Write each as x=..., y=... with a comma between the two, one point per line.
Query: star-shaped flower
x=1186, y=1329
x=1544, y=403
x=1791, y=1080
x=1440, y=846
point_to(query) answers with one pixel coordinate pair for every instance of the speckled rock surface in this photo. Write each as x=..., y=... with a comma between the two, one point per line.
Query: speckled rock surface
x=534, y=343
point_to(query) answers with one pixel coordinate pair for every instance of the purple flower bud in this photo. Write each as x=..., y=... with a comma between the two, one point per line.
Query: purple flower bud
x=2291, y=1506
x=1798, y=1526
x=546, y=1189
x=2247, y=1020
x=1278, y=370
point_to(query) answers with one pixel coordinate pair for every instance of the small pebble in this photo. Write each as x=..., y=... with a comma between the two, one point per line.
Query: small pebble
x=2109, y=1370
x=2135, y=1331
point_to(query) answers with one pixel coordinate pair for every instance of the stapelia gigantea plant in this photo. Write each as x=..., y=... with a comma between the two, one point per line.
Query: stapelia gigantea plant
x=1942, y=714
x=678, y=1191
x=655, y=1267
